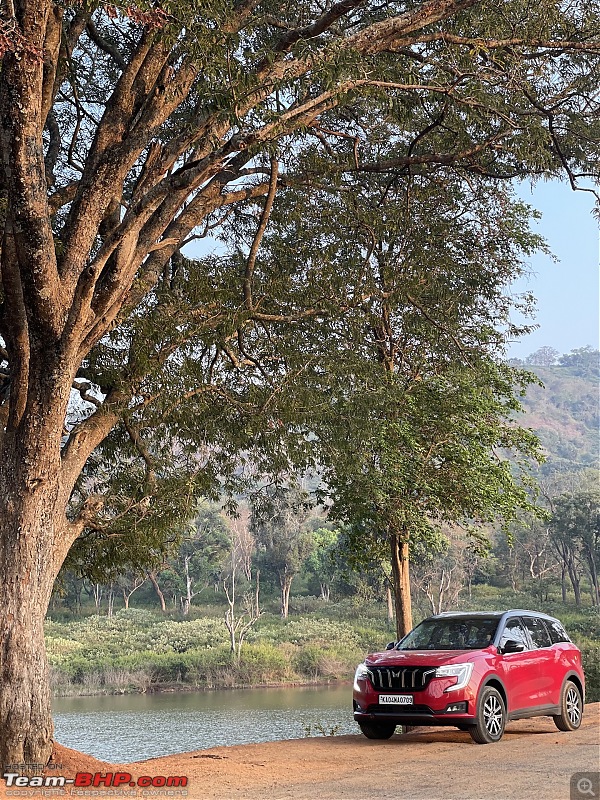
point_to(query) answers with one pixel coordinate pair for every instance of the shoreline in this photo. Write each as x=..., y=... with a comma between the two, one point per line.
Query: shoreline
x=173, y=688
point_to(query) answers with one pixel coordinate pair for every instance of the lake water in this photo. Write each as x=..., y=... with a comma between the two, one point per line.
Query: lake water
x=134, y=727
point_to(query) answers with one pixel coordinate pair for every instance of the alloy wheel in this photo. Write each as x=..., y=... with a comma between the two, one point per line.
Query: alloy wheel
x=573, y=706
x=493, y=715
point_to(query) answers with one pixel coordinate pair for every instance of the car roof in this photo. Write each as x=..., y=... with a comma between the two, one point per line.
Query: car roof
x=498, y=614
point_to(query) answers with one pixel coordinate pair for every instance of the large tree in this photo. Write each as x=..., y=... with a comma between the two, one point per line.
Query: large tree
x=405, y=394
x=121, y=134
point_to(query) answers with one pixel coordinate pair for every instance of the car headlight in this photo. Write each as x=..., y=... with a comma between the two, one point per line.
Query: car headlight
x=362, y=673
x=462, y=673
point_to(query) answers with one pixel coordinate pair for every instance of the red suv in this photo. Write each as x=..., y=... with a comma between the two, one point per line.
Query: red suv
x=473, y=670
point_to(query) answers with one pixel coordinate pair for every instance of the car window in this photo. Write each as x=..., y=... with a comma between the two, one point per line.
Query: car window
x=557, y=632
x=537, y=630
x=451, y=633
x=514, y=630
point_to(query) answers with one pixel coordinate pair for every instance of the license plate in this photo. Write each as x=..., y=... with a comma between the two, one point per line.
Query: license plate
x=395, y=700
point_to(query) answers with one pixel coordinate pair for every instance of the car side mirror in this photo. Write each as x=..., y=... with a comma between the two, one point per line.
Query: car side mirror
x=512, y=646
x=390, y=645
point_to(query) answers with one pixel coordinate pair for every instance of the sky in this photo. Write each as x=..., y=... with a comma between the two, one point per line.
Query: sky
x=567, y=291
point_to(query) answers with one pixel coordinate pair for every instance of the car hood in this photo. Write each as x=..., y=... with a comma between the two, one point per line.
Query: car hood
x=434, y=658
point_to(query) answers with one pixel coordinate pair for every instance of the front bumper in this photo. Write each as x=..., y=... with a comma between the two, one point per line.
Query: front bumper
x=417, y=714
x=432, y=705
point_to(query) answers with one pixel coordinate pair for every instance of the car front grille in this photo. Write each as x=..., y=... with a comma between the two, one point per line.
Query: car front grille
x=415, y=678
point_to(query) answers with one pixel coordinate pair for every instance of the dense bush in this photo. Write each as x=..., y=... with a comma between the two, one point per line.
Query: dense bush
x=137, y=651
x=590, y=657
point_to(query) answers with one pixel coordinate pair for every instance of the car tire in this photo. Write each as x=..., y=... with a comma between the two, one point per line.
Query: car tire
x=383, y=730
x=491, y=717
x=571, y=708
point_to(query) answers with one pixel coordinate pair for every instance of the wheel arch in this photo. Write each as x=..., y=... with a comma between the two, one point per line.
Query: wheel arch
x=495, y=683
x=576, y=679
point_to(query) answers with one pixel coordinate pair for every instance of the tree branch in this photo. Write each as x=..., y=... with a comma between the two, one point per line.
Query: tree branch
x=108, y=47
x=266, y=213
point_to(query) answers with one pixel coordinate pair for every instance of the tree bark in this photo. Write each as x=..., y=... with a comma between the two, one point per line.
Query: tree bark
x=401, y=584
x=98, y=592
x=28, y=569
x=285, y=581
x=389, y=600
x=563, y=583
x=590, y=555
x=575, y=583
x=35, y=537
x=110, y=601
x=157, y=589
x=189, y=594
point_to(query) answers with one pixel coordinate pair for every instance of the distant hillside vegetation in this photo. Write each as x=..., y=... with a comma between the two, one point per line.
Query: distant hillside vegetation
x=565, y=412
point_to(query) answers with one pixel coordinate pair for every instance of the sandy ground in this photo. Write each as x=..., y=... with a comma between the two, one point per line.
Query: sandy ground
x=533, y=760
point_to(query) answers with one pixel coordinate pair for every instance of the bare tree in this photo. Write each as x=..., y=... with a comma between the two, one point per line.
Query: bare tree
x=240, y=623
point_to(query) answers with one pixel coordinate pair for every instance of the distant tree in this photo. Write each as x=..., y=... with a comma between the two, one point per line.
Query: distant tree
x=322, y=562
x=235, y=576
x=544, y=357
x=576, y=519
x=558, y=491
x=68, y=590
x=584, y=361
x=242, y=540
x=128, y=584
x=364, y=565
x=568, y=551
x=154, y=580
x=202, y=553
x=279, y=523
x=167, y=583
x=446, y=568
x=531, y=537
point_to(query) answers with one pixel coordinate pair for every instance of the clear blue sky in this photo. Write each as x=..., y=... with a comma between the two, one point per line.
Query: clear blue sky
x=567, y=291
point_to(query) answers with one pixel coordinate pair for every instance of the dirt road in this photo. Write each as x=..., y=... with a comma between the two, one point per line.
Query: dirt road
x=533, y=761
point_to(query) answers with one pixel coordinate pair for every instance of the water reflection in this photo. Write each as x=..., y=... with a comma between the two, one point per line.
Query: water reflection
x=134, y=727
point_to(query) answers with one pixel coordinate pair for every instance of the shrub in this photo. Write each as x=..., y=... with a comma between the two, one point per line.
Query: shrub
x=583, y=623
x=136, y=616
x=263, y=663
x=315, y=661
x=317, y=631
x=179, y=637
x=307, y=660
x=590, y=658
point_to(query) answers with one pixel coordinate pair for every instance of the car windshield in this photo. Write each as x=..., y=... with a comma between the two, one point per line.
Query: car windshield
x=451, y=633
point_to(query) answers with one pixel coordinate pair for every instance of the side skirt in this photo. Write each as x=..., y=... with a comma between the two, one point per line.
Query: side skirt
x=535, y=711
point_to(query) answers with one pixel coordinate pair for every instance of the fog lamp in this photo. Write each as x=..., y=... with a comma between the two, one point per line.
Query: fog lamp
x=457, y=708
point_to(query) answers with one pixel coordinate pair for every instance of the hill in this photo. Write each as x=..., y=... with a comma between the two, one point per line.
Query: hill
x=564, y=412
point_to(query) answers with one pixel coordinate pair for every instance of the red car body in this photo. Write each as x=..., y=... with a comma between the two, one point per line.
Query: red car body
x=528, y=667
